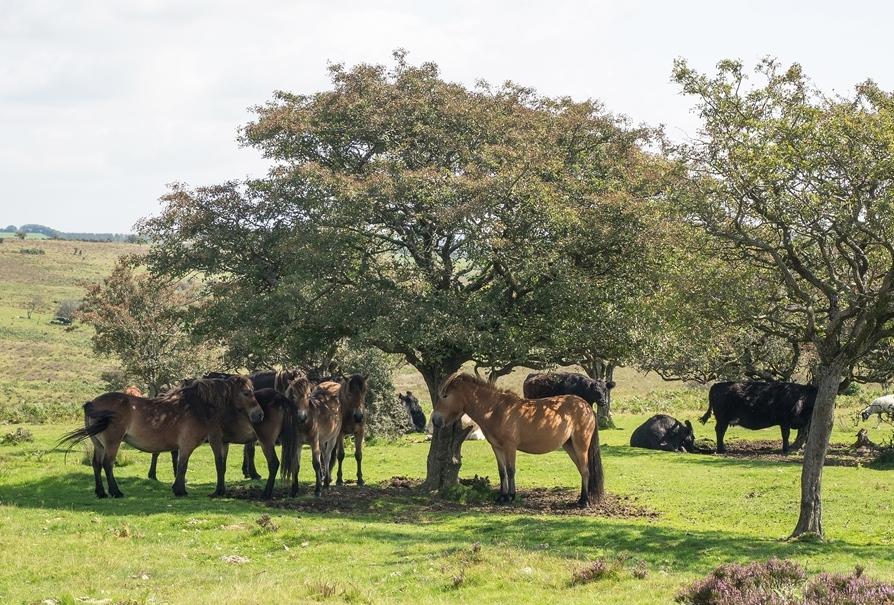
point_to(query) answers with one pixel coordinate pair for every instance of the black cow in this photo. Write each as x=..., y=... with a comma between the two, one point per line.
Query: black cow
x=417, y=416
x=759, y=405
x=550, y=384
x=663, y=432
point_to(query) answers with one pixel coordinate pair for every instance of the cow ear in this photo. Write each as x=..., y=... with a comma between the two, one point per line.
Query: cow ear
x=688, y=425
x=610, y=384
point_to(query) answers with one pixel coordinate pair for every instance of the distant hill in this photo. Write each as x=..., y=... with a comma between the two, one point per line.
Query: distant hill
x=33, y=230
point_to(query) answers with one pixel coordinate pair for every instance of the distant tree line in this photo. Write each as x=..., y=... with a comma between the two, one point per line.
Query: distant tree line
x=88, y=237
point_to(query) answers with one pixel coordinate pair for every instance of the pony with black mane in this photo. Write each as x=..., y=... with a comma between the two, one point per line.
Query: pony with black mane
x=511, y=423
x=180, y=420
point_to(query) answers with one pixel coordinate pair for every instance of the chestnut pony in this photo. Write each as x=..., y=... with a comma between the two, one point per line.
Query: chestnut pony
x=511, y=423
x=328, y=405
x=181, y=420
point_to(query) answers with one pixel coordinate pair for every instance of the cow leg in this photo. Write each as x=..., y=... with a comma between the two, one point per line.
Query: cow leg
x=786, y=431
x=720, y=431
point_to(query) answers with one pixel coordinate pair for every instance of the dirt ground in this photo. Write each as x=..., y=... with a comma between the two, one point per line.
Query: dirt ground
x=771, y=451
x=403, y=497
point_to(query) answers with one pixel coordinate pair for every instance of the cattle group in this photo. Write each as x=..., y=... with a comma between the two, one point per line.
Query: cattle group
x=289, y=409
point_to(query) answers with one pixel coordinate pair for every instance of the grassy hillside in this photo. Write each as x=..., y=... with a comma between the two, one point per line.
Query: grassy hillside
x=47, y=371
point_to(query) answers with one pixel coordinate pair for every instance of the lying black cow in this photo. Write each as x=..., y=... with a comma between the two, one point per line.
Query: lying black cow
x=759, y=405
x=550, y=384
x=663, y=432
x=417, y=416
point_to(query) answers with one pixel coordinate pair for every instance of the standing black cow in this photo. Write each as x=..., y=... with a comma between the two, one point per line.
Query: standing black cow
x=417, y=416
x=551, y=384
x=663, y=432
x=759, y=405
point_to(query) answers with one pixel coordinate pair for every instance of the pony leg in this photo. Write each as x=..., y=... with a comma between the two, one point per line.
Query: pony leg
x=504, y=480
x=297, y=466
x=249, y=470
x=220, y=450
x=174, y=461
x=580, y=458
x=269, y=449
x=183, y=455
x=108, y=464
x=152, y=468
x=318, y=469
x=358, y=455
x=509, y=461
x=99, y=489
x=340, y=456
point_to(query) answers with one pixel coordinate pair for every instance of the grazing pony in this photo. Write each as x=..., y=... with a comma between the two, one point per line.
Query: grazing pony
x=352, y=424
x=536, y=426
x=323, y=425
x=181, y=420
x=880, y=405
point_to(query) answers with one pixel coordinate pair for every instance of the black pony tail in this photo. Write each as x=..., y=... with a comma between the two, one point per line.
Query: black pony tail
x=101, y=421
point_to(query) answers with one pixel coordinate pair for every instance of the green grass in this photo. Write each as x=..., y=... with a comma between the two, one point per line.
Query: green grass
x=57, y=541
x=10, y=235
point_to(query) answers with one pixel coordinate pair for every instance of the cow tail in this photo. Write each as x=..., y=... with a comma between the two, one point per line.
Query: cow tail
x=596, y=483
x=707, y=414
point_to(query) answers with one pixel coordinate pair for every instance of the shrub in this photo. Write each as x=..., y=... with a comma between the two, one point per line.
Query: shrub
x=600, y=569
x=67, y=308
x=781, y=582
x=20, y=435
x=114, y=380
x=31, y=251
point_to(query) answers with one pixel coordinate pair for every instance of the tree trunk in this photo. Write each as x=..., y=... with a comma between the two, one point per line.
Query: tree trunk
x=600, y=369
x=444, y=455
x=811, y=517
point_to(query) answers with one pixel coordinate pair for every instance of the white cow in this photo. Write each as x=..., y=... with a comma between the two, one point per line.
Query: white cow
x=882, y=405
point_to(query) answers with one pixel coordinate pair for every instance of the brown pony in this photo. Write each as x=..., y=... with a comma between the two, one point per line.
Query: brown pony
x=326, y=409
x=536, y=426
x=181, y=420
x=278, y=381
x=352, y=424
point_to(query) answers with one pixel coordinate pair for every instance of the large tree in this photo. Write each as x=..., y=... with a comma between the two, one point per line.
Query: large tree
x=405, y=212
x=798, y=185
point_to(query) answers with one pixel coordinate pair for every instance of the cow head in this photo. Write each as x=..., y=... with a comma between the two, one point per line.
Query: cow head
x=865, y=414
x=598, y=391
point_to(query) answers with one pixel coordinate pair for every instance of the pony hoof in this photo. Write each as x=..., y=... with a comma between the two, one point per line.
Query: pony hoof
x=117, y=495
x=101, y=495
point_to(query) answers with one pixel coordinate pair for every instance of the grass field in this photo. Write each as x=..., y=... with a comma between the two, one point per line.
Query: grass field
x=684, y=514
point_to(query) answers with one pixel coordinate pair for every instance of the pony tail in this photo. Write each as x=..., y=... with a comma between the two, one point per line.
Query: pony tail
x=101, y=419
x=596, y=483
x=298, y=389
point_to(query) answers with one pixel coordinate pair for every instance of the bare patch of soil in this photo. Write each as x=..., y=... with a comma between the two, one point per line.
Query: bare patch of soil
x=771, y=451
x=403, y=498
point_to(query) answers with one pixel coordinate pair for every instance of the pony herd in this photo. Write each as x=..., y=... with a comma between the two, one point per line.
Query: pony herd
x=221, y=409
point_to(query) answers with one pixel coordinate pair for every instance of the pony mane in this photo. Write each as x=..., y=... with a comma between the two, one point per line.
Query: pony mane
x=461, y=377
x=283, y=379
x=299, y=388
x=205, y=396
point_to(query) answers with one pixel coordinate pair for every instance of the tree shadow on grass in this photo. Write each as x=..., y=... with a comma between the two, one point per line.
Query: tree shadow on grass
x=406, y=522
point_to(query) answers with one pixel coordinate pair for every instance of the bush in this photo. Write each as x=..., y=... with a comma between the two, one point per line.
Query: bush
x=67, y=309
x=32, y=251
x=781, y=582
x=114, y=380
x=17, y=436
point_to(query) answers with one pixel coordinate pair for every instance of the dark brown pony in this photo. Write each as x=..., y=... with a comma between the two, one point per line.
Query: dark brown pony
x=279, y=381
x=536, y=426
x=353, y=424
x=325, y=412
x=181, y=420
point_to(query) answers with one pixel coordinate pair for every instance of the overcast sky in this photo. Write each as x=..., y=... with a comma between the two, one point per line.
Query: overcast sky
x=104, y=103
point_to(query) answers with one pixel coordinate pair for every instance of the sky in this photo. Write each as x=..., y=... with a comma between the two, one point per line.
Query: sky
x=103, y=103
